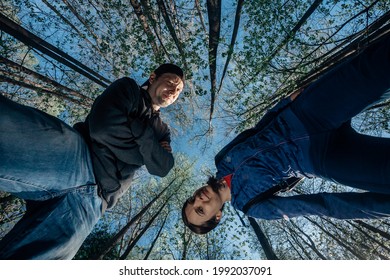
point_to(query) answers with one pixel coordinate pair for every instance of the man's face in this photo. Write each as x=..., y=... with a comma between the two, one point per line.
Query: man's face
x=205, y=205
x=165, y=89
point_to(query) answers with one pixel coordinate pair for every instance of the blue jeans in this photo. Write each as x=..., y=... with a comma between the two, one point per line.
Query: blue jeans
x=326, y=108
x=47, y=163
x=336, y=151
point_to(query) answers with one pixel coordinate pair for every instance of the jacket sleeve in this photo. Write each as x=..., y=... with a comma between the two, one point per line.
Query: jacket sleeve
x=108, y=130
x=107, y=119
x=157, y=160
x=362, y=205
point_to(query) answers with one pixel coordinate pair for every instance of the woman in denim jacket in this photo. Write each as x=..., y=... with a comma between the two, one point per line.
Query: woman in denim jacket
x=307, y=135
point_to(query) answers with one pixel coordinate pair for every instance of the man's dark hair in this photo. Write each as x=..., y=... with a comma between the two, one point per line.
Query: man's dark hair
x=167, y=68
x=210, y=224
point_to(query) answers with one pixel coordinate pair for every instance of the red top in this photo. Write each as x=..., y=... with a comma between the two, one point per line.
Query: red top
x=228, y=180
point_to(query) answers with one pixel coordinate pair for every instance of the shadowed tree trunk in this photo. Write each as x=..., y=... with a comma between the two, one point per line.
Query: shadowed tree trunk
x=373, y=229
x=144, y=229
x=111, y=243
x=59, y=90
x=199, y=10
x=148, y=11
x=233, y=40
x=172, y=32
x=83, y=21
x=186, y=242
x=309, y=242
x=269, y=252
x=142, y=19
x=290, y=35
x=41, y=45
x=214, y=14
x=338, y=240
x=156, y=238
x=333, y=57
x=371, y=236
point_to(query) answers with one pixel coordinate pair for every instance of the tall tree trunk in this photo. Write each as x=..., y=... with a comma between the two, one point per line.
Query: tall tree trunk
x=310, y=242
x=370, y=236
x=71, y=25
x=269, y=252
x=148, y=11
x=85, y=100
x=172, y=32
x=300, y=245
x=41, y=45
x=348, y=48
x=25, y=83
x=376, y=230
x=186, y=242
x=361, y=39
x=199, y=10
x=364, y=247
x=83, y=21
x=145, y=228
x=292, y=238
x=233, y=40
x=214, y=14
x=295, y=249
x=290, y=35
x=111, y=243
x=339, y=241
x=156, y=238
x=144, y=23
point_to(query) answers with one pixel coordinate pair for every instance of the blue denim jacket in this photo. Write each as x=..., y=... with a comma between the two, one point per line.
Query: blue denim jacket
x=278, y=149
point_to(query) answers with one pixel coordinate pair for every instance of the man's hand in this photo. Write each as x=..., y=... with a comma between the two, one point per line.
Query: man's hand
x=166, y=146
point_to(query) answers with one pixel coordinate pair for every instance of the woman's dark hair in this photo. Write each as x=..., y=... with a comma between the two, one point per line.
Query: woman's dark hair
x=214, y=183
x=208, y=225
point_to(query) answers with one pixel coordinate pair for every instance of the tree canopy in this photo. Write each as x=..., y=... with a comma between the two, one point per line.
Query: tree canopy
x=240, y=58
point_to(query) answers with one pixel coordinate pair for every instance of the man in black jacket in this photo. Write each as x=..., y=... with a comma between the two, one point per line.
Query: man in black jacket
x=128, y=112
x=70, y=176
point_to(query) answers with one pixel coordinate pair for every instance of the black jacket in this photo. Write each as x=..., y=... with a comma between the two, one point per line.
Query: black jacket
x=124, y=133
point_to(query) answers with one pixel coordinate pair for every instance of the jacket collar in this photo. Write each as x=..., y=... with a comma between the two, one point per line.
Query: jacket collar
x=148, y=101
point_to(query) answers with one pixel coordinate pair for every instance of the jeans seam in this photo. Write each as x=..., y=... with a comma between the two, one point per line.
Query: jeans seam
x=49, y=194
x=19, y=181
